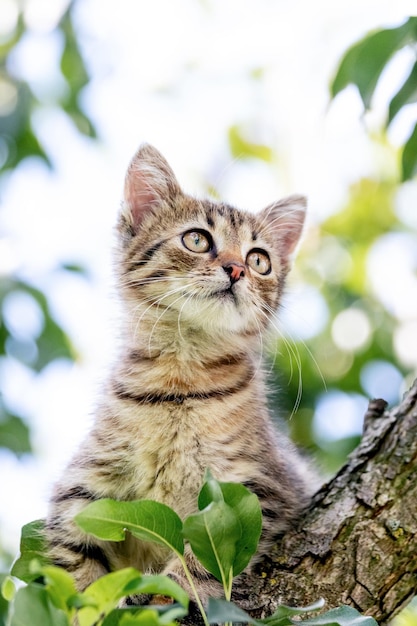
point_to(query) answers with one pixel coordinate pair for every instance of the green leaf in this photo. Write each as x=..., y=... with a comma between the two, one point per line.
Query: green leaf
x=148, y=617
x=33, y=606
x=225, y=533
x=32, y=548
x=406, y=95
x=145, y=617
x=220, y=611
x=60, y=585
x=74, y=71
x=26, y=145
x=103, y=595
x=282, y=616
x=409, y=156
x=8, y=588
x=342, y=616
x=16, y=127
x=75, y=268
x=246, y=506
x=4, y=604
x=147, y=520
x=242, y=148
x=211, y=491
x=7, y=45
x=72, y=64
x=364, y=62
x=169, y=616
x=14, y=433
x=52, y=343
x=158, y=585
x=213, y=535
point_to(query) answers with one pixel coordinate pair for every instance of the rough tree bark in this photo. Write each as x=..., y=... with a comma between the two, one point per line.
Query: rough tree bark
x=357, y=543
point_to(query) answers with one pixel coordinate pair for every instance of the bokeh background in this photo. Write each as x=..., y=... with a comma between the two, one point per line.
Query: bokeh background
x=236, y=94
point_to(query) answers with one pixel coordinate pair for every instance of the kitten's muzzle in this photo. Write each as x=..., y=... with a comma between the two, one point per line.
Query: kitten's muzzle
x=235, y=271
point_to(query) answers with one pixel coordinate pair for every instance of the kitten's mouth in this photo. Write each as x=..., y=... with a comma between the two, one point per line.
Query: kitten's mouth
x=227, y=293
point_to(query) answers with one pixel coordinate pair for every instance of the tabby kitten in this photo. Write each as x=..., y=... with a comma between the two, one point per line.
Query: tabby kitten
x=199, y=282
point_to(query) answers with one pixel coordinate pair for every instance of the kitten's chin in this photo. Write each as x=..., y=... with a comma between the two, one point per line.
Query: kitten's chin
x=222, y=314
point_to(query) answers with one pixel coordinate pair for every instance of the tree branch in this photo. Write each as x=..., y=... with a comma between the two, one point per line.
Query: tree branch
x=357, y=543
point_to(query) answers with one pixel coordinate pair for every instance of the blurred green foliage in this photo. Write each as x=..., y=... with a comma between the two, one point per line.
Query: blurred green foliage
x=363, y=65
x=334, y=260
x=242, y=147
x=18, y=102
x=18, y=140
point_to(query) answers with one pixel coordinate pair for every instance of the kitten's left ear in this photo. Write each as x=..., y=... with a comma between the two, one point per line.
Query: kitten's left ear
x=149, y=182
x=285, y=219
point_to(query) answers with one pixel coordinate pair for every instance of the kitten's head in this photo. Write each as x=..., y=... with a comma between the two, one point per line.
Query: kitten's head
x=198, y=264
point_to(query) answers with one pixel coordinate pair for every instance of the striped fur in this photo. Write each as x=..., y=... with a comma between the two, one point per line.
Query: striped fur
x=186, y=392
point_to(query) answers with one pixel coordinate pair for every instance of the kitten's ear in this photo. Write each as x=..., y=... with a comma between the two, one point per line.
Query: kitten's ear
x=285, y=219
x=149, y=181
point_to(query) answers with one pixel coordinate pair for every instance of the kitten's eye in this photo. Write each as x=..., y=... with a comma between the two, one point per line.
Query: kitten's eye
x=197, y=241
x=259, y=261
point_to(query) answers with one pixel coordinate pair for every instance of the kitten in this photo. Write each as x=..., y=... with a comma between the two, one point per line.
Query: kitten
x=199, y=282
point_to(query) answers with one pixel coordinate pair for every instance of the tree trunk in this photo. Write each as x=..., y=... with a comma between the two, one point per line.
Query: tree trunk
x=357, y=543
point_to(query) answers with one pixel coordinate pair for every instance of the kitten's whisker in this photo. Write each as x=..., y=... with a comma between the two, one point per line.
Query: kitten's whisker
x=261, y=349
x=160, y=317
x=293, y=353
x=310, y=354
x=137, y=283
x=184, y=294
x=226, y=167
x=156, y=303
x=190, y=296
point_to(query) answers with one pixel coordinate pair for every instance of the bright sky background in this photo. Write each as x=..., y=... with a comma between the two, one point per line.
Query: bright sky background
x=178, y=74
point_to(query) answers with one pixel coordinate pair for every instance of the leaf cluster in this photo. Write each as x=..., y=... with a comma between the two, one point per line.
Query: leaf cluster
x=223, y=534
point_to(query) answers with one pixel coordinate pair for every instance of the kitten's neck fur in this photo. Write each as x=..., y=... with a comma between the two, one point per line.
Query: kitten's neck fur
x=187, y=359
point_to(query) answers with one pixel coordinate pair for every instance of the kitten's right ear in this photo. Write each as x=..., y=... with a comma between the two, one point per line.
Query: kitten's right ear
x=149, y=181
x=285, y=219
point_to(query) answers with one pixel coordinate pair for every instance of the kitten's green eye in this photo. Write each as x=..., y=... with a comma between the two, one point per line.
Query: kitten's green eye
x=197, y=241
x=259, y=261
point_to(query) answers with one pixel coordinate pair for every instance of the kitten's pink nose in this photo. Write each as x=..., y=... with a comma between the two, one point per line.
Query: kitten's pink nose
x=235, y=271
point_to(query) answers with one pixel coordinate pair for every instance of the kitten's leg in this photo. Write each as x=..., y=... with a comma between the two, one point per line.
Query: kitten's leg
x=69, y=547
